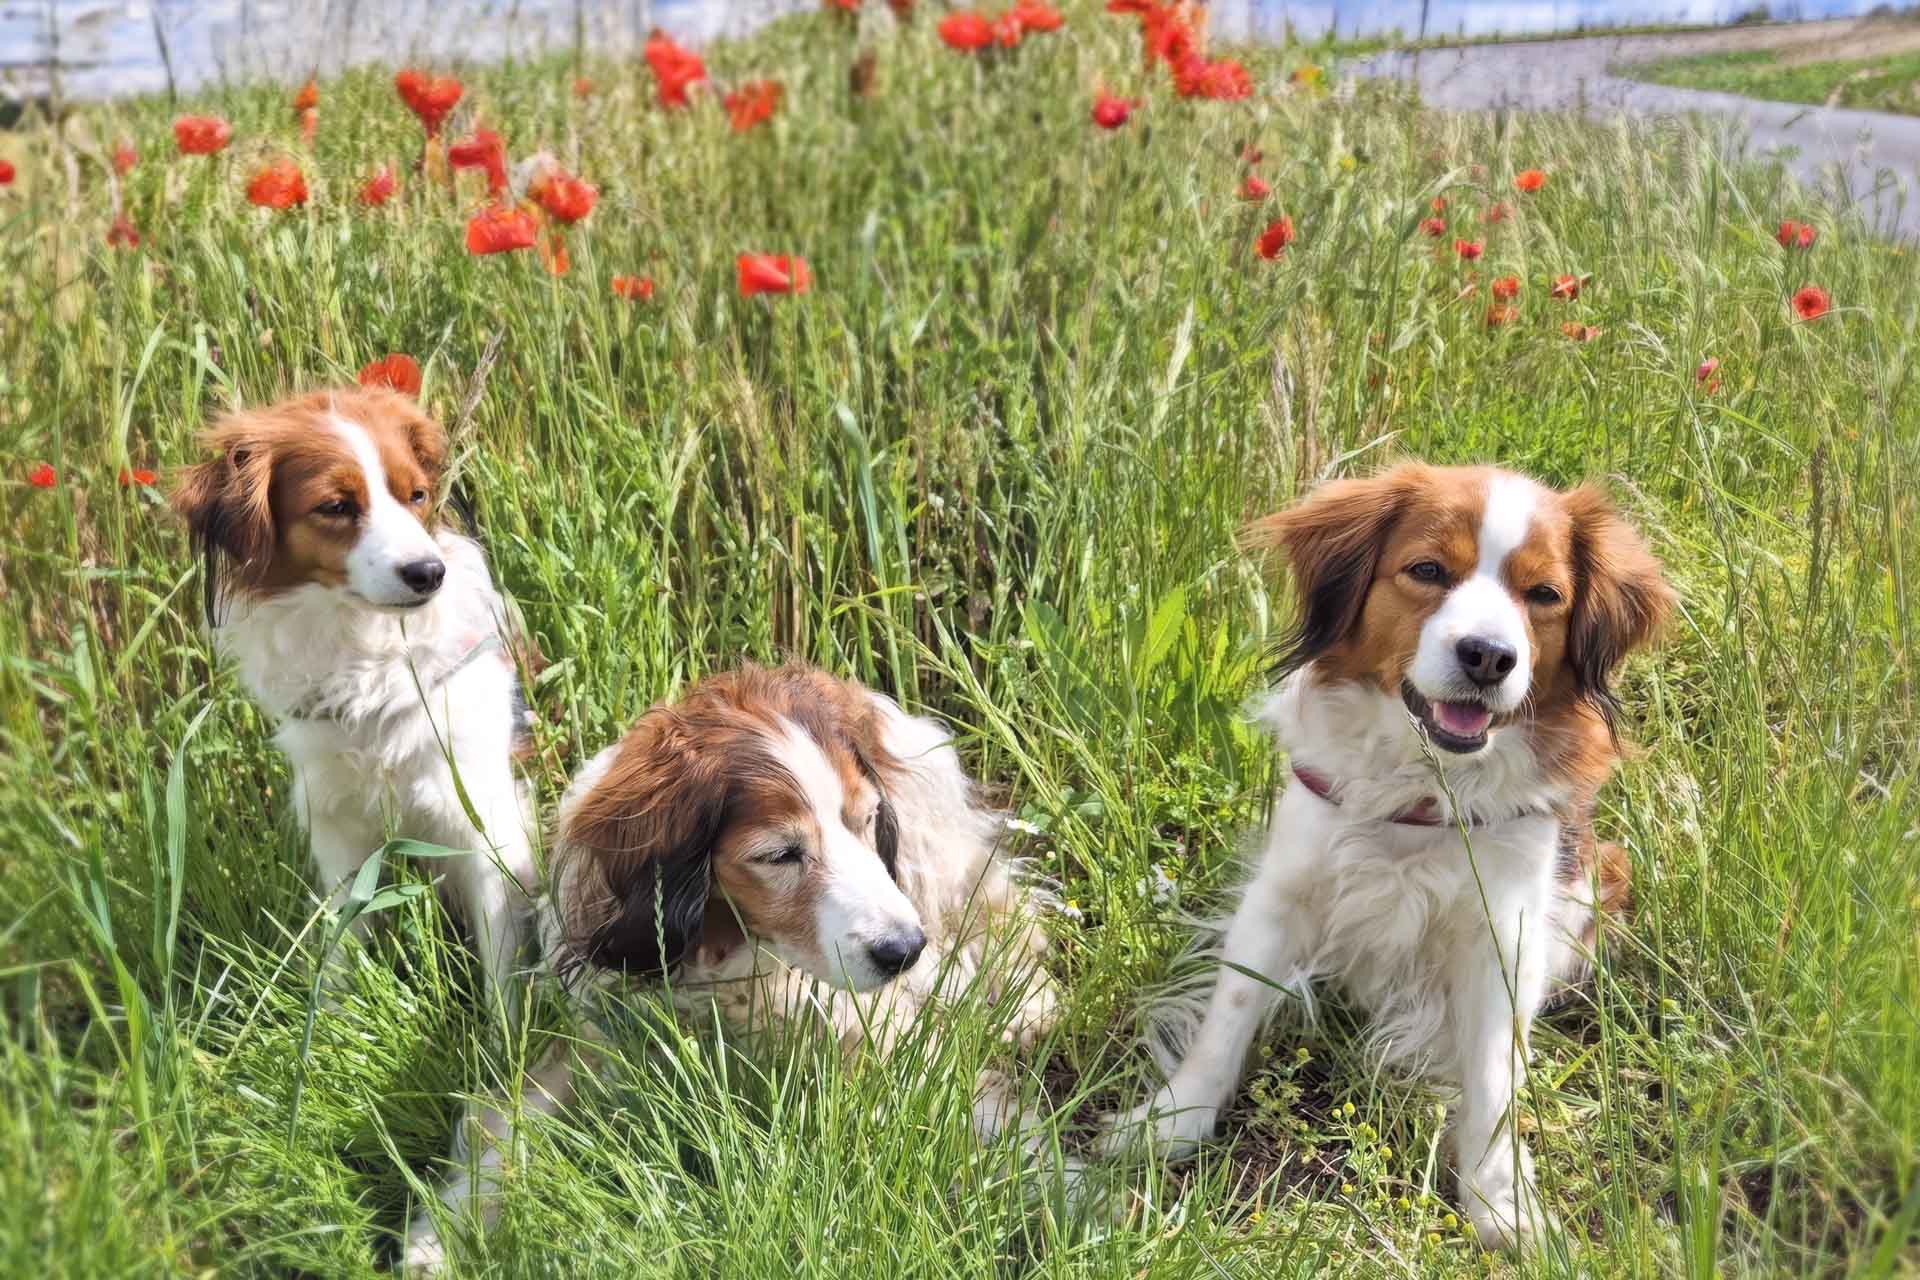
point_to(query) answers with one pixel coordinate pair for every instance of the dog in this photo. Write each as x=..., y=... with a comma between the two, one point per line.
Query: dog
x=374, y=638
x=1447, y=712
x=777, y=844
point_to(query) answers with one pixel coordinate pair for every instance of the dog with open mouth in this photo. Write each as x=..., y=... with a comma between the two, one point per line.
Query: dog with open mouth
x=1447, y=712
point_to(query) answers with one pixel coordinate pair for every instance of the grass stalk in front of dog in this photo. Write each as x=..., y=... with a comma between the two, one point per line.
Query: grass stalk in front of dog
x=995, y=461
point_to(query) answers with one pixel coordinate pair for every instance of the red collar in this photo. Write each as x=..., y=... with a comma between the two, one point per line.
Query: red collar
x=1424, y=814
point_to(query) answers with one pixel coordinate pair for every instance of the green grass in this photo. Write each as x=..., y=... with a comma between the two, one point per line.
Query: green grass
x=1872, y=84
x=995, y=463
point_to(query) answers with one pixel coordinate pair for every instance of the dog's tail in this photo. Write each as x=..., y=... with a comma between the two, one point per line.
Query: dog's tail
x=1596, y=891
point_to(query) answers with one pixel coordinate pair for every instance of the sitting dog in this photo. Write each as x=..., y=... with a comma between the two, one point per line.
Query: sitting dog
x=1448, y=720
x=373, y=638
x=769, y=832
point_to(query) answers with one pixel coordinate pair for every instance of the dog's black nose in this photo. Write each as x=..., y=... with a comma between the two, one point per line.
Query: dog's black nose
x=1485, y=661
x=896, y=952
x=424, y=576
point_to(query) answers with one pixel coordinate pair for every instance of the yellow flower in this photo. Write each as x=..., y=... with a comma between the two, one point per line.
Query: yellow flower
x=1346, y=1188
x=1386, y=1153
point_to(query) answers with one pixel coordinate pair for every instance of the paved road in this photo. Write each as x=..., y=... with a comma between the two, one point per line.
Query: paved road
x=1873, y=158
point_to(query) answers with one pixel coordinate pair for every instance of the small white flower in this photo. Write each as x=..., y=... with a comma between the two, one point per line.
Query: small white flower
x=1022, y=826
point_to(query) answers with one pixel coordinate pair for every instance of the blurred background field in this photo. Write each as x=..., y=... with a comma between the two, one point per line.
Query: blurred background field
x=994, y=461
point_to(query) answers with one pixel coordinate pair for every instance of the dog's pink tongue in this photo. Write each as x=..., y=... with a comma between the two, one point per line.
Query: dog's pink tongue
x=1462, y=719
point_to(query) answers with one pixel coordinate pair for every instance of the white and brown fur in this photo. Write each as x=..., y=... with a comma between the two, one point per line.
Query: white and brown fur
x=1467, y=618
x=371, y=635
x=779, y=844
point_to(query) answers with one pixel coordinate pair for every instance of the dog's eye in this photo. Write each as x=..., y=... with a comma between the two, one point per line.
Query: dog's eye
x=1543, y=595
x=1429, y=571
x=339, y=507
x=419, y=496
x=791, y=855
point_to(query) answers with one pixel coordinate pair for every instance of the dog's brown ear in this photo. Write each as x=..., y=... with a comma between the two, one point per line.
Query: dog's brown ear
x=637, y=850
x=1620, y=596
x=226, y=504
x=1332, y=539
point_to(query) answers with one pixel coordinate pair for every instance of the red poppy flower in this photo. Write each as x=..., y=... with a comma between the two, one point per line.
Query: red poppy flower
x=137, y=476
x=309, y=124
x=1529, y=180
x=43, y=476
x=280, y=185
x=1497, y=213
x=843, y=6
x=1580, y=332
x=1166, y=35
x=1506, y=288
x=201, y=135
x=122, y=234
x=772, y=273
x=1566, y=288
x=1195, y=77
x=431, y=98
x=1034, y=16
x=565, y=198
x=399, y=371
x=1499, y=315
x=633, y=288
x=1274, y=240
x=378, y=189
x=124, y=157
x=485, y=151
x=1796, y=235
x=1254, y=189
x=1110, y=112
x=675, y=69
x=752, y=103
x=902, y=9
x=1439, y=204
x=1706, y=368
x=501, y=228
x=582, y=87
x=6, y=173
x=966, y=31
x=1469, y=249
x=308, y=97
x=1435, y=227
x=1007, y=30
x=1811, y=302
x=1251, y=155
x=553, y=254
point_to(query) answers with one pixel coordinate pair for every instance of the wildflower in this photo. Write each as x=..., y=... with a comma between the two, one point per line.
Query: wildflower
x=1307, y=76
x=399, y=371
x=485, y=151
x=753, y=103
x=1275, y=239
x=431, y=98
x=582, y=87
x=1439, y=204
x=850, y=7
x=137, y=476
x=1811, y=302
x=1506, y=288
x=902, y=9
x=1251, y=155
x=772, y=273
x=1529, y=180
x=633, y=288
x=124, y=157
x=1035, y=16
x=278, y=185
x=1579, y=332
x=501, y=228
x=565, y=198
x=378, y=189
x=1497, y=212
x=1435, y=227
x=1498, y=316
x=1195, y=77
x=1566, y=288
x=1254, y=189
x=6, y=173
x=122, y=234
x=966, y=31
x=309, y=124
x=308, y=98
x=1706, y=368
x=675, y=69
x=201, y=135
x=1796, y=235
x=553, y=254
x=1007, y=30
x=1469, y=249
x=43, y=476
x=1346, y=1188
x=1110, y=112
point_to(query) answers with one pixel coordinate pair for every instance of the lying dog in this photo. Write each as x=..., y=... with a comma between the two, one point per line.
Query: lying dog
x=771, y=831
x=373, y=637
x=1460, y=619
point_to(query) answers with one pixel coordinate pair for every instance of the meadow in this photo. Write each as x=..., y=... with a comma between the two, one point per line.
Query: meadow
x=1886, y=83
x=994, y=460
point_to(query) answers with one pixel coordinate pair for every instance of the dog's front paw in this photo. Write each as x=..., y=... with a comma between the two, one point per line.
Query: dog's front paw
x=426, y=1254
x=1506, y=1217
x=1175, y=1132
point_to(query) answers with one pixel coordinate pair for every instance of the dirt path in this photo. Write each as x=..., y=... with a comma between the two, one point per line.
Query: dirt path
x=1862, y=156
